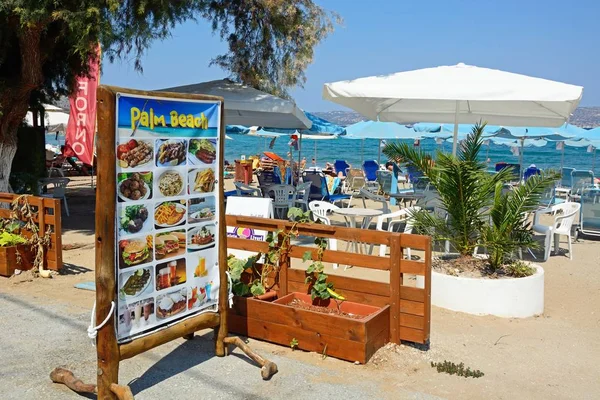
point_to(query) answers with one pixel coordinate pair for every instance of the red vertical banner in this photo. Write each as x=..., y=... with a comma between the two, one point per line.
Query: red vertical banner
x=82, y=118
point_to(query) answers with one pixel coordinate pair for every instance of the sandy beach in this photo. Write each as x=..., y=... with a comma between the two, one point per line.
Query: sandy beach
x=553, y=355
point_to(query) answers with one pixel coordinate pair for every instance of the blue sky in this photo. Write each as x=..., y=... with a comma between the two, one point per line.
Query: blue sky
x=549, y=39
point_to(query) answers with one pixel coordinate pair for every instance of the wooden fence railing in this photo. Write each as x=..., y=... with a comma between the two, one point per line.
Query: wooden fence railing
x=410, y=307
x=48, y=219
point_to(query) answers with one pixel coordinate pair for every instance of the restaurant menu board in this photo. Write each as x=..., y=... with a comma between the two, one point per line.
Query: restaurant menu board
x=167, y=226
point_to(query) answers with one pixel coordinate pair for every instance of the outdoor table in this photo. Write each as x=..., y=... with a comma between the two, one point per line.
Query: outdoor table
x=407, y=197
x=350, y=215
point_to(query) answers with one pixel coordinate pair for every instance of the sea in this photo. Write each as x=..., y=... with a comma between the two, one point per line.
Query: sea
x=355, y=151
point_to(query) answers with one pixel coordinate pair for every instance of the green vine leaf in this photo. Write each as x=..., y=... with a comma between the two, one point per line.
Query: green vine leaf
x=306, y=256
x=257, y=288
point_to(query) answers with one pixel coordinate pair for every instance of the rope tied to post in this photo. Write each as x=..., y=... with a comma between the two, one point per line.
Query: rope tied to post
x=92, y=330
x=230, y=289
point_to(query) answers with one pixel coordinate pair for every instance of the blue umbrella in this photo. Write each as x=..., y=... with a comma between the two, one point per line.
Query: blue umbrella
x=380, y=130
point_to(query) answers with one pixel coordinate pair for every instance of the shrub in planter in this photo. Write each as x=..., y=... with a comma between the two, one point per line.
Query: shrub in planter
x=478, y=209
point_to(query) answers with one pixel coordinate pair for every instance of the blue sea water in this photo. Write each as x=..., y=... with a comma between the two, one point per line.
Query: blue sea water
x=355, y=151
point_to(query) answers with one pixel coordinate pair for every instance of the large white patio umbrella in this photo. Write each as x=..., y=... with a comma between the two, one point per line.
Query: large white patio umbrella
x=247, y=106
x=458, y=94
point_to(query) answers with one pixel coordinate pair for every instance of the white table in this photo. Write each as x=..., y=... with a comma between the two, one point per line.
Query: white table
x=350, y=215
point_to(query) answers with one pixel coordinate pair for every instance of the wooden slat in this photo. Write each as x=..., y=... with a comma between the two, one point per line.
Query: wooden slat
x=344, y=258
x=350, y=295
x=427, y=290
x=412, y=335
x=284, y=266
x=248, y=245
x=346, y=283
x=411, y=321
x=377, y=323
x=412, y=267
x=307, y=340
x=413, y=294
x=418, y=242
x=412, y=307
x=377, y=342
x=395, y=287
x=280, y=314
x=327, y=231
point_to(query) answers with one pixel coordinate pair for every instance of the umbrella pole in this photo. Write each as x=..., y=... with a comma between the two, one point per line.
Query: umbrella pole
x=594, y=160
x=455, y=135
x=362, y=146
x=299, y=157
x=315, y=153
x=521, y=160
x=379, y=153
x=562, y=158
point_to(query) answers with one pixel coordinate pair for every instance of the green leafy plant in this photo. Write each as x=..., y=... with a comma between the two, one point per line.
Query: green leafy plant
x=476, y=208
x=11, y=239
x=257, y=276
x=22, y=219
x=464, y=188
x=294, y=344
x=456, y=369
x=509, y=229
x=518, y=269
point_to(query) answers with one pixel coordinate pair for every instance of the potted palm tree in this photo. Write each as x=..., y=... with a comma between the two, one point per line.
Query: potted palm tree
x=478, y=210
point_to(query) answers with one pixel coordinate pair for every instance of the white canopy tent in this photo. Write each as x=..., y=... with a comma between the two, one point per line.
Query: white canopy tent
x=55, y=118
x=247, y=106
x=458, y=94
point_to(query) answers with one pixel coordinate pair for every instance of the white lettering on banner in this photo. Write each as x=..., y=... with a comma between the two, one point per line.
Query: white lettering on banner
x=78, y=148
x=83, y=87
x=81, y=119
x=79, y=135
x=81, y=103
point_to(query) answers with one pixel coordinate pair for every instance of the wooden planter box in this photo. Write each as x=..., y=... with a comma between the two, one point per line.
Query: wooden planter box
x=8, y=259
x=334, y=335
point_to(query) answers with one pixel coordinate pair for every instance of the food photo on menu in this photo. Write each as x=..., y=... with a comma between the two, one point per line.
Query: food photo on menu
x=133, y=284
x=169, y=213
x=170, y=183
x=136, y=316
x=201, y=209
x=202, y=151
x=135, y=251
x=201, y=180
x=169, y=244
x=134, y=186
x=170, y=152
x=200, y=270
x=134, y=219
x=201, y=237
x=171, y=304
x=135, y=153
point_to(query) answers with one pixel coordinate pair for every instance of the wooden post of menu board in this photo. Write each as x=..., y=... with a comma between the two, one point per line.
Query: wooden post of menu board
x=109, y=351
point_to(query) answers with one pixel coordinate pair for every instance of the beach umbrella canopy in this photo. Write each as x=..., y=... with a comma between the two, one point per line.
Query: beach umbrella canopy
x=589, y=134
x=513, y=132
x=247, y=106
x=458, y=94
x=380, y=130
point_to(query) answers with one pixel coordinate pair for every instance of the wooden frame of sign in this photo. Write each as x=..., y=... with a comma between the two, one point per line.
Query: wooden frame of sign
x=109, y=351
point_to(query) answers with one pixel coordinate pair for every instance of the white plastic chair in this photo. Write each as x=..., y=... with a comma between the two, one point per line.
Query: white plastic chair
x=58, y=191
x=319, y=210
x=403, y=216
x=564, y=216
x=366, y=194
x=284, y=198
x=303, y=195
